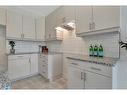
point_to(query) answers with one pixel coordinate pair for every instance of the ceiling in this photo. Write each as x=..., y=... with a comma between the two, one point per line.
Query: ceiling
x=33, y=10
x=39, y=10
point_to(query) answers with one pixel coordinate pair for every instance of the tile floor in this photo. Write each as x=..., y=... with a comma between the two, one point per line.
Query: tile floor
x=39, y=82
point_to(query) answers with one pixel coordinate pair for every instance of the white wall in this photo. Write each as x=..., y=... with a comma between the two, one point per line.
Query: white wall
x=70, y=44
x=3, y=57
x=24, y=46
x=76, y=45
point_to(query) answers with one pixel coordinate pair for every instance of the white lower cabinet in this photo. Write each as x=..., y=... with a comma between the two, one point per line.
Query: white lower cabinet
x=21, y=66
x=50, y=66
x=34, y=63
x=75, y=80
x=82, y=75
x=18, y=66
x=96, y=81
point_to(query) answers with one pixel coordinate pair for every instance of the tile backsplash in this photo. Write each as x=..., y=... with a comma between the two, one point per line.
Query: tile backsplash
x=78, y=45
x=24, y=46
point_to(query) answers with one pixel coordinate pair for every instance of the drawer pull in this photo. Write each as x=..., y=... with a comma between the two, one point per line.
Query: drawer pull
x=43, y=72
x=84, y=76
x=43, y=65
x=97, y=69
x=81, y=75
x=20, y=56
x=74, y=63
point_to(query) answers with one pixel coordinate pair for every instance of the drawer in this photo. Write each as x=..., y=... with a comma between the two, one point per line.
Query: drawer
x=45, y=74
x=45, y=66
x=14, y=57
x=44, y=61
x=44, y=56
x=92, y=67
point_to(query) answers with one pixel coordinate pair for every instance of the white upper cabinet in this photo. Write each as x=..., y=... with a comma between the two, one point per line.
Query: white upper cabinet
x=28, y=27
x=14, y=25
x=65, y=15
x=56, y=19
x=96, y=18
x=40, y=29
x=2, y=16
x=69, y=13
x=50, y=26
x=20, y=27
x=106, y=17
x=83, y=19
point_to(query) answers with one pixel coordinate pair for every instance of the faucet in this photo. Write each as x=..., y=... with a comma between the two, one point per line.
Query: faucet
x=123, y=44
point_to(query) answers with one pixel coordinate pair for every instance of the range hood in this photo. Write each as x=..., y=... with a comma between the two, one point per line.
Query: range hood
x=70, y=26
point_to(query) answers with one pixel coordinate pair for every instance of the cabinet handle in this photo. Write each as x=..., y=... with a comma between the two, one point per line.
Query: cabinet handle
x=43, y=61
x=84, y=76
x=89, y=26
x=23, y=35
x=29, y=60
x=49, y=35
x=20, y=56
x=97, y=69
x=93, y=25
x=81, y=75
x=43, y=65
x=74, y=63
x=43, y=72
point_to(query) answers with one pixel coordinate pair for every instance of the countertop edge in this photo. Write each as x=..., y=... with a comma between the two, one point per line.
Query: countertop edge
x=94, y=62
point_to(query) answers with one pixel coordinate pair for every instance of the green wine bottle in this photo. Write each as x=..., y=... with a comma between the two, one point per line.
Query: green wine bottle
x=100, y=51
x=96, y=51
x=91, y=50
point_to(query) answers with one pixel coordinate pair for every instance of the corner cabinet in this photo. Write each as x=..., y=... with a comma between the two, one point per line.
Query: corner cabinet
x=85, y=75
x=51, y=24
x=94, y=18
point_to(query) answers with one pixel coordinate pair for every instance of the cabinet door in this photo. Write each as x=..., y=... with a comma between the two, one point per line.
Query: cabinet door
x=83, y=19
x=40, y=29
x=18, y=68
x=75, y=78
x=2, y=16
x=28, y=27
x=106, y=17
x=34, y=63
x=14, y=25
x=50, y=26
x=69, y=13
x=96, y=81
